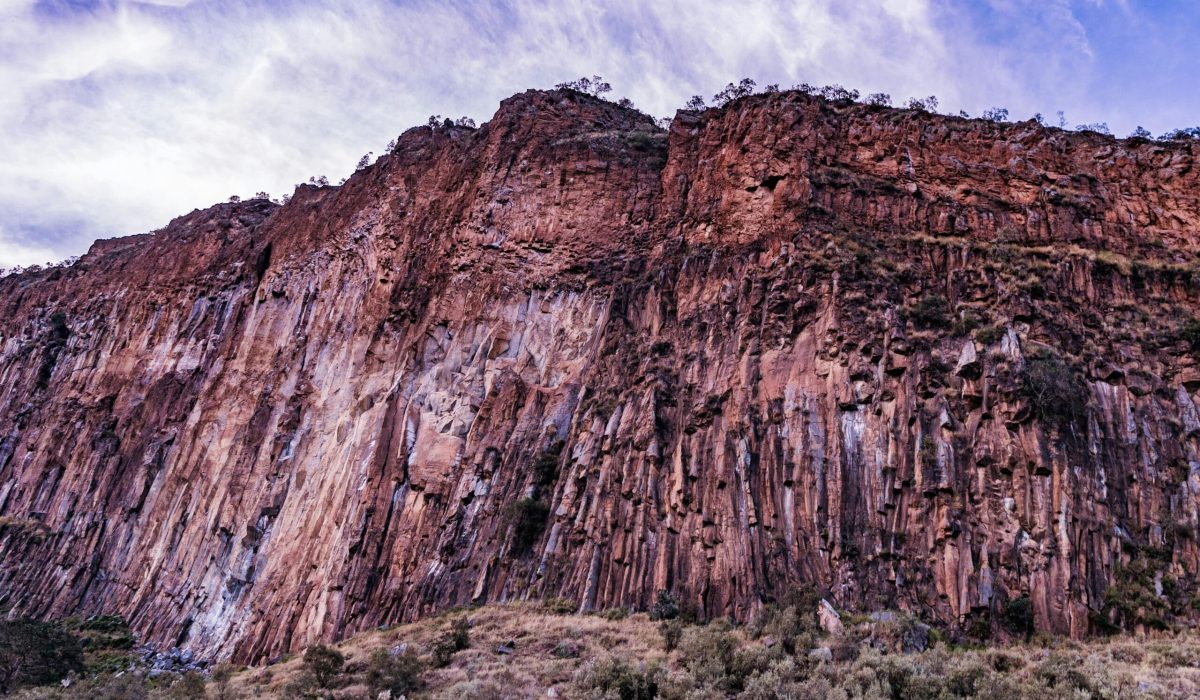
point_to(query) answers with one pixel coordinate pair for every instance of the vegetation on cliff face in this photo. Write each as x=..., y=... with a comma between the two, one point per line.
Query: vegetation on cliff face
x=528, y=651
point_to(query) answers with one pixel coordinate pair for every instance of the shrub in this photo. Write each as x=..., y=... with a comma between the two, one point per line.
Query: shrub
x=1053, y=390
x=614, y=614
x=528, y=517
x=396, y=673
x=223, y=674
x=442, y=651
x=545, y=467
x=460, y=633
x=189, y=686
x=615, y=678
x=932, y=311
x=560, y=606
x=453, y=639
x=1189, y=332
x=36, y=653
x=1017, y=616
x=324, y=663
x=707, y=651
x=989, y=335
x=1062, y=672
x=666, y=606
x=671, y=631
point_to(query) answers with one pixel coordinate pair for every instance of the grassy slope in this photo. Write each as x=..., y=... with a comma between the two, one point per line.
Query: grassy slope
x=1167, y=667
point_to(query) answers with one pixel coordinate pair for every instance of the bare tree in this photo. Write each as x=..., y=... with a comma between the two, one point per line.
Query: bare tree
x=1096, y=127
x=996, y=114
x=929, y=104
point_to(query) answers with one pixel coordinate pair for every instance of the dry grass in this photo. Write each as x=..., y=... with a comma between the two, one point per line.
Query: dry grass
x=550, y=650
x=527, y=673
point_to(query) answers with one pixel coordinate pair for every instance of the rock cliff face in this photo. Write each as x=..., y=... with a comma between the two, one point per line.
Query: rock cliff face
x=919, y=362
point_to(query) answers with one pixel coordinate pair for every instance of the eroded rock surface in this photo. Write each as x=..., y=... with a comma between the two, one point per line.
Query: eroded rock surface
x=569, y=354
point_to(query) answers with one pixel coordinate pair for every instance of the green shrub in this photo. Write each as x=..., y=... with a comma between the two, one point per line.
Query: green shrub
x=323, y=663
x=1052, y=388
x=189, y=686
x=989, y=335
x=615, y=678
x=460, y=633
x=442, y=651
x=614, y=613
x=666, y=606
x=36, y=653
x=1017, y=616
x=528, y=517
x=1189, y=332
x=932, y=311
x=671, y=631
x=560, y=606
x=396, y=673
x=707, y=651
x=222, y=676
x=1064, y=673
x=545, y=467
x=455, y=638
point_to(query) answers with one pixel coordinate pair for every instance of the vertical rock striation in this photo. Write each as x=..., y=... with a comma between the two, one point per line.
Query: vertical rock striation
x=916, y=361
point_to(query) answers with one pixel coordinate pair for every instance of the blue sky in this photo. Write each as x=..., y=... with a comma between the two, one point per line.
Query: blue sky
x=116, y=116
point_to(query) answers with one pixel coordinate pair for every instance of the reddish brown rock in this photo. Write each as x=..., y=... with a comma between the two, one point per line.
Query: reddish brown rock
x=707, y=354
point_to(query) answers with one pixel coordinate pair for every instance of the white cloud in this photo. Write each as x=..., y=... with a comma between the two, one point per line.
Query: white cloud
x=13, y=252
x=117, y=119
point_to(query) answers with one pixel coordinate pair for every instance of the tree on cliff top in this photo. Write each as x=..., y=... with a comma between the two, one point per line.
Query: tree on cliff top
x=744, y=88
x=594, y=86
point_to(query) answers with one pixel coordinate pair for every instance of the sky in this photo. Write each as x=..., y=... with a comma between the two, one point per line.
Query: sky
x=116, y=116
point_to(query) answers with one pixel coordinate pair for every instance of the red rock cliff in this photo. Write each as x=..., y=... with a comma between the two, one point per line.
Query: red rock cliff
x=920, y=362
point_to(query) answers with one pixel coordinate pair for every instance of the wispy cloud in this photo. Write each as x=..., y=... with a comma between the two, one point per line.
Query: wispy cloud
x=118, y=115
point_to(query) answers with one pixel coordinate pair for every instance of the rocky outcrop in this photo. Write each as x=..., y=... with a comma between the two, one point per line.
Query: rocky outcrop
x=919, y=362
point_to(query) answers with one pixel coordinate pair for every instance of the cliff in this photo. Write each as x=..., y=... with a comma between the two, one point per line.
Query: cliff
x=919, y=362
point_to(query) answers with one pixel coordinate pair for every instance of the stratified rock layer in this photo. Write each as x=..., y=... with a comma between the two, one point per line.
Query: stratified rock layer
x=569, y=354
